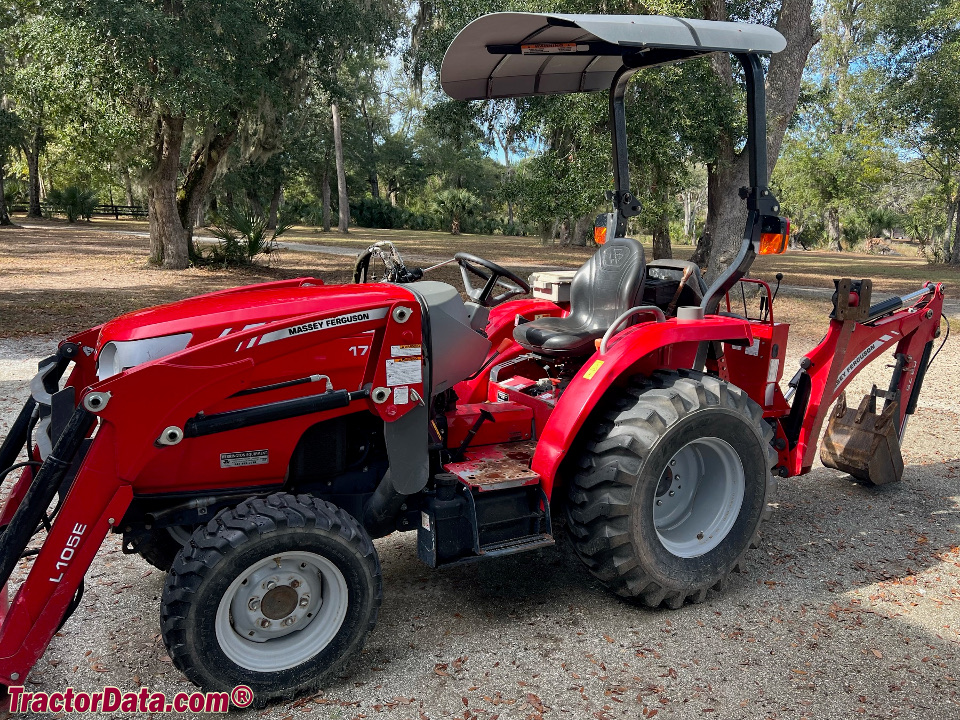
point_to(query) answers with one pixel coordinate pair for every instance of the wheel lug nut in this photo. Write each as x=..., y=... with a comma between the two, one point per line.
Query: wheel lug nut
x=304, y=601
x=659, y=502
x=289, y=620
x=671, y=493
x=294, y=583
x=254, y=603
x=672, y=463
x=264, y=623
x=269, y=584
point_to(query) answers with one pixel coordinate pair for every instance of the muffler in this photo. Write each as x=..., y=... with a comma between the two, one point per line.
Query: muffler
x=864, y=443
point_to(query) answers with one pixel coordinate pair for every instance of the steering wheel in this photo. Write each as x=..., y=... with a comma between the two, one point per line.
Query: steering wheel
x=394, y=271
x=493, y=275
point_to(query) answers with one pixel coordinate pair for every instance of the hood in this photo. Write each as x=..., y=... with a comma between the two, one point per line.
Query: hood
x=214, y=315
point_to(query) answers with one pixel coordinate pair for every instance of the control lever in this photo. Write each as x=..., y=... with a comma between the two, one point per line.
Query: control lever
x=472, y=432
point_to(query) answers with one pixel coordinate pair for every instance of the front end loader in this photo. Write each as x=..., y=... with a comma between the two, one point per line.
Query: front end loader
x=253, y=443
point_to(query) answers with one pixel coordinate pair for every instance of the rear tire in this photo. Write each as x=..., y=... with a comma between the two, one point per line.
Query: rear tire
x=274, y=594
x=672, y=487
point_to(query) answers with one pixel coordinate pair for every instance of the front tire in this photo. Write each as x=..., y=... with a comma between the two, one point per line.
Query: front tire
x=158, y=546
x=273, y=594
x=672, y=487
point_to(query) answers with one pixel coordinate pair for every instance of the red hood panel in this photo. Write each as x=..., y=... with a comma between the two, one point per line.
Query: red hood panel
x=208, y=316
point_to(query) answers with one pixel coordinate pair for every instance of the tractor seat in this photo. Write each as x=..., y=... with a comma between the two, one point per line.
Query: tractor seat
x=607, y=285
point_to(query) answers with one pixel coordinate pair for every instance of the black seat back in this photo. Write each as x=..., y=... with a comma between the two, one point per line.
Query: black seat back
x=606, y=286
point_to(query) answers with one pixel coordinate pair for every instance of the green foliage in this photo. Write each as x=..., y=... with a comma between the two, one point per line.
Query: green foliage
x=74, y=202
x=379, y=213
x=243, y=235
x=457, y=204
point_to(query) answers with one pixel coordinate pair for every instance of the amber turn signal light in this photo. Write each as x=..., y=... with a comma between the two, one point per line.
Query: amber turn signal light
x=603, y=228
x=774, y=235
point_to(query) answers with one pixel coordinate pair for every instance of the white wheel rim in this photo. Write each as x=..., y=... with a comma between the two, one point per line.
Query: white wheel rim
x=281, y=611
x=698, y=498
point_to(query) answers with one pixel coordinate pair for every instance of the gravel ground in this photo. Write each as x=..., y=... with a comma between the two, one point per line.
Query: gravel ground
x=850, y=608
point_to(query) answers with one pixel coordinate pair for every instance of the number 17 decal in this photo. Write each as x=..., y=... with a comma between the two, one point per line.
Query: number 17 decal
x=359, y=350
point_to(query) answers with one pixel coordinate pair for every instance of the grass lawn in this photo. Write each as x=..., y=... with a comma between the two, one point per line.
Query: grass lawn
x=59, y=278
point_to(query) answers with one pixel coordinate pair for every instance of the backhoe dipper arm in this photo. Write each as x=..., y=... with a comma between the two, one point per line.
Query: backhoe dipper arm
x=849, y=346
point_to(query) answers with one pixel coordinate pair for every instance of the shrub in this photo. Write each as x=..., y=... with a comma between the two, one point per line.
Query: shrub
x=243, y=235
x=74, y=202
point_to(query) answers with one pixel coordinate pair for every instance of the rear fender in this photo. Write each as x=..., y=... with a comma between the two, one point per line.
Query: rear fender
x=638, y=350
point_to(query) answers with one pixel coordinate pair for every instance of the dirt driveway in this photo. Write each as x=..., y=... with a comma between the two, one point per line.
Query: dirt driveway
x=850, y=608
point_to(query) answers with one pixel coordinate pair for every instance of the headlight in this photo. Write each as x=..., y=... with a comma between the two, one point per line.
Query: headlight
x=115, y=357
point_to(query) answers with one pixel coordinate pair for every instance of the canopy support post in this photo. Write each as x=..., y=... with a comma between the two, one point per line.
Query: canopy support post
x=625, y=205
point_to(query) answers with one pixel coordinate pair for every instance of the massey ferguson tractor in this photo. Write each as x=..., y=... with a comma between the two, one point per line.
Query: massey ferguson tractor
x=253, y=442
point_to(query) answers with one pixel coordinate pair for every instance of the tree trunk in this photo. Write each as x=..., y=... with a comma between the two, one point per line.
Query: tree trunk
x=253, y=201
x=274, y=207
x=169, y=240
x=952, y=207
x=582, y=230
x=4, y=215
x=955, y=255
x=201, y=172
x=507, y=142
x=455, y=225
x=343, y=199
x=326, y=198
x=547, y=231
x=726, y=212
x=127, y=186
x=661, y=236
x=32, y=152
x=832, y=220
x=373, y=176
x=702, y=252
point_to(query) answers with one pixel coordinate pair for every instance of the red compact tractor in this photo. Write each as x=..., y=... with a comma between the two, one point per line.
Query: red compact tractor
x=253, y=442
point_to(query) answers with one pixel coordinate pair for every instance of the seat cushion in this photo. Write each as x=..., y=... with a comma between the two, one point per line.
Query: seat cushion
x=555, y=336
x=606, y=286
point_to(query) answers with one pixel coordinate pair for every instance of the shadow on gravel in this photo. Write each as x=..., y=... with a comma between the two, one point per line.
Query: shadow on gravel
x=842, y=607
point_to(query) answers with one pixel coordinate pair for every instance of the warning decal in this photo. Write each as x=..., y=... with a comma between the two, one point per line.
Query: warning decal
x=404, y=371
x=551, y=48
x=244, y=459
x=592, y=370
x=405, y=350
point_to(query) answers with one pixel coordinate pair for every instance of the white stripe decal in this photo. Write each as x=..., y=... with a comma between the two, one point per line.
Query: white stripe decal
x=325, y=324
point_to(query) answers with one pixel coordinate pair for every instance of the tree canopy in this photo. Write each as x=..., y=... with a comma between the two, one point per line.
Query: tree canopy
x=193, y=108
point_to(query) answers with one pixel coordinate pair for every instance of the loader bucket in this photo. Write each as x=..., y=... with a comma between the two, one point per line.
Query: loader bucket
x=863, y=442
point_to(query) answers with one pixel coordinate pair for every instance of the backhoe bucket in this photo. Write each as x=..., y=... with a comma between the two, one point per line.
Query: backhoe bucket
x=863, y=442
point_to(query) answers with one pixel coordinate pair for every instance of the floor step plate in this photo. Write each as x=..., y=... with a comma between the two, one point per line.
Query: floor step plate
x=496, y=467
